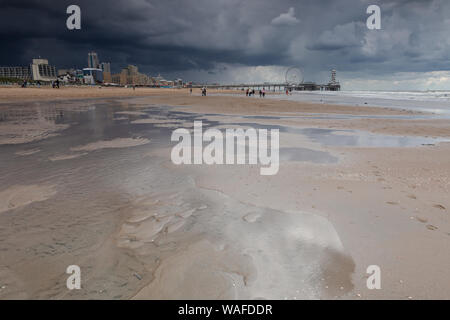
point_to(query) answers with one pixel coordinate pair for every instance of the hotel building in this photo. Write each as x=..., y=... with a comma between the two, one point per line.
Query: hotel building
x=42, y=71
x=39, y=70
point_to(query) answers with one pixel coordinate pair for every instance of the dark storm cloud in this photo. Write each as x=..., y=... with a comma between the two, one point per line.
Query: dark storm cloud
x=175, y=36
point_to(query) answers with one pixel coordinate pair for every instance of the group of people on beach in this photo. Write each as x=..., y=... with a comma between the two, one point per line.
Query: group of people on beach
x=25, y=84
x=249, y=93
x=55, y=84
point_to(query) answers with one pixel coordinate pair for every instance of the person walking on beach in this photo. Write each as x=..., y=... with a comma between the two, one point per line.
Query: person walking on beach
x=190, y=90
x=263, y=92
x=246, y=92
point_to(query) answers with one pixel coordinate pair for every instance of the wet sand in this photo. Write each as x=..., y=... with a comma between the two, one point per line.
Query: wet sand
x=103, y=194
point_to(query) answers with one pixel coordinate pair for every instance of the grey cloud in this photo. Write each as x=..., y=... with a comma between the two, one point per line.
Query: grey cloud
x=178, y=37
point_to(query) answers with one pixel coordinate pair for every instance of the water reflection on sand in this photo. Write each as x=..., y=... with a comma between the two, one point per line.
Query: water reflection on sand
x=106, y=197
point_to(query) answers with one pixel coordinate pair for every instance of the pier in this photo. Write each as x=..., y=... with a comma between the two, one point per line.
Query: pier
x=304, y=86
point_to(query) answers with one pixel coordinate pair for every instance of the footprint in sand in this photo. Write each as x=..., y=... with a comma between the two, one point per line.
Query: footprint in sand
x=412, y=196
x=431, y=227
x=392, y=203
x=439, y=206
x=252, y=217
x=423, y=220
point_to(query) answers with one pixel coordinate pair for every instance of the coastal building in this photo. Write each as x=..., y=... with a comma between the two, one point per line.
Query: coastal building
x=107, y=77
x=131, y=76
x=105, y=66
x=115, y=78
x=178, y=82
x=93, y=60
x=38, y=70
x=16, y=72
x=92, y=75
x=42, y=71
x=62, y=72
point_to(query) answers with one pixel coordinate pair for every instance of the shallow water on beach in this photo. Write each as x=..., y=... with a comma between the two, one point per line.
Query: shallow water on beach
x=111, y=159
x=352, y=138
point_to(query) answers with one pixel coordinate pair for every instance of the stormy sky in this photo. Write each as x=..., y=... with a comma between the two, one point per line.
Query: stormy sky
x=240, y=40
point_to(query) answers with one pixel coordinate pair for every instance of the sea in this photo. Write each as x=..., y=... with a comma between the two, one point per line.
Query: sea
x=434, y=102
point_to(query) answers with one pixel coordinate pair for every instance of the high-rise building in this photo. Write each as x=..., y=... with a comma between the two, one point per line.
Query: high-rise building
x=93, y=60
x=105, y=66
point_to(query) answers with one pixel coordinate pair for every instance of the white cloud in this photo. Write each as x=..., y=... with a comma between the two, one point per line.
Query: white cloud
x=433, y=80
x=286, y=19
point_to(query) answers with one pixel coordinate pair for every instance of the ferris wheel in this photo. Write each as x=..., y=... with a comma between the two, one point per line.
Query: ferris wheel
x=294, y=75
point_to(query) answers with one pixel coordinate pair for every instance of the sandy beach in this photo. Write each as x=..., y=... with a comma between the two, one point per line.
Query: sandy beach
x=87, y=179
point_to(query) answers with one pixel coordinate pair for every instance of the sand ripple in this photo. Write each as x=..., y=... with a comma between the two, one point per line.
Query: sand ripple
x=20, y=195
x=115, y=143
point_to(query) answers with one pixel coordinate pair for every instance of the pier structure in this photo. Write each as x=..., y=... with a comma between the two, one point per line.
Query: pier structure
x=304, y=86
x=290, y=83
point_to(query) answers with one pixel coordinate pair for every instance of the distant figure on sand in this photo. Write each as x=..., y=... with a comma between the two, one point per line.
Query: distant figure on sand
x=246, y=92
x=204, y=91
x=263, y=92
x=190, y=90
x=287, y=92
